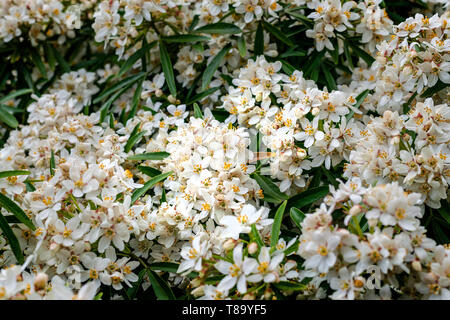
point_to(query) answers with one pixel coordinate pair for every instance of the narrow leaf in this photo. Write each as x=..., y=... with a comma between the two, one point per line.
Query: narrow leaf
x=212, y=67
x=297, y=216
x=15, y=94
x=359, y=100
x=219, y=28
x=160, y=287
x=149, y=184
x=167, y=68
x=8, y=118
x=197, y=112
x=12, y=173
x=151, y=172
x=242, y=46
x=184, y=38
x=271, y=191
x=307, y=197
x=149, y=156
x=259, y=41
x=277, y=224
x=277, y=33
x=12, y=207
x=12, y=240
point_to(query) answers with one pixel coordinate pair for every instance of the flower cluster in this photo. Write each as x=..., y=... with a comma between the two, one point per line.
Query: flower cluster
x=40, y=20
x=368, y=263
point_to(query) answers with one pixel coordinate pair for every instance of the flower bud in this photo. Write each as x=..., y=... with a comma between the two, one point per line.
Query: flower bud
x=198, y=292
x=249, y=296
x=40, y=281
x=355, y=210
x=406, y=137
x=252, y=248
x=258, y=97
x=229, y=244
x=315, y=111
x=172, y=99
x=417, y=266
x=301, y=153
x=159, y=93
x=298, y=113
x=196, y=283
x=268, y=294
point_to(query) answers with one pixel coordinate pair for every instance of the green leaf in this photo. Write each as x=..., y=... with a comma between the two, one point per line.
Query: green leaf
x=331, y=84
x=297, y=216
x=15, y=94
x=444, y=211
x=151, y=172
x=149, y=156
x=132, y=292
x=61, y=61
x=348, y=56
x=12, y=173
x=8, y=118
x=52, y=163
x=169, y=267
x=105, y=108
x=132, y=60
x=362, y=54
x=29, y=187
x=167, y=68
x=50, y=55
x=434, y=89
x=271, y=191
x=287, y=67
x=160, y=287
x=12, y=207
x=301, y=17
x=36, y=57
x=202, y=95
x=194, y=23
x=136, y=99
x=135, y=136
x=290, y=286
x=277, y=224
x=439, y=234
x=242, y=46
x=292, y=248
x=12, y=240
x=257, y=237
x=213, y=66
x=149, y=184
x=277, y=33
x=288, y=54
x=258, y=48
x=314, y=63
x=359, y=100
x=219, y=28
x=125, y=83
x=98, y=296
x=183, y=38
x=197, y=112
x=308, y=197
x=163, y=197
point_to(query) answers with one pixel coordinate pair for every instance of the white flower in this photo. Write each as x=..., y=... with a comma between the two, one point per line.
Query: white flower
x=237, y=271
x=267, y=268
